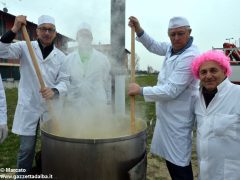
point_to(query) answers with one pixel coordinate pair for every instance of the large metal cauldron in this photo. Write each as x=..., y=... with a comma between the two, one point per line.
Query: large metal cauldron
x=121, y=158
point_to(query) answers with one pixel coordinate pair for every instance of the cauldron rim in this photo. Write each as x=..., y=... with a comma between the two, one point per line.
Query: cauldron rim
x=97, y=140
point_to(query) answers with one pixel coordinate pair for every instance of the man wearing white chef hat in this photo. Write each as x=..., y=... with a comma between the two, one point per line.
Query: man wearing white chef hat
x=89, y=70
x=31, y=106
x=174, y=95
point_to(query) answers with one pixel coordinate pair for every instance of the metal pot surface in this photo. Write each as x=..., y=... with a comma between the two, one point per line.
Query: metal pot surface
x=94, y=159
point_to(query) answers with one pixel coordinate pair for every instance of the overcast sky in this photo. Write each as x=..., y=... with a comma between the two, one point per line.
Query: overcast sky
x=212, y=21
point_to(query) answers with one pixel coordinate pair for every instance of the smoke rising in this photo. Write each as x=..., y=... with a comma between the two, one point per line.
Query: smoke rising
x=89, y=110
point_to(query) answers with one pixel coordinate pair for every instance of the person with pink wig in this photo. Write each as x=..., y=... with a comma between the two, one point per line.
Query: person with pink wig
x=217, y=118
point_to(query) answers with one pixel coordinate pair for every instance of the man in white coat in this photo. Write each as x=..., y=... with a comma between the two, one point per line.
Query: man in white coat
x=89, y=69
x=174, y=95
x=3, y=113
x=31, y=106
x=217, y=118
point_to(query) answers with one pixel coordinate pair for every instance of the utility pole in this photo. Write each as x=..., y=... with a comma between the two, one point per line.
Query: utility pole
x=118, y=49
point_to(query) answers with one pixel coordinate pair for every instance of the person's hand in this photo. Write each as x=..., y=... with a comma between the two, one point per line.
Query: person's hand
x=19, y=21
x=133, y=22
x=134, y=89
x=47, y=93
x=3, y=132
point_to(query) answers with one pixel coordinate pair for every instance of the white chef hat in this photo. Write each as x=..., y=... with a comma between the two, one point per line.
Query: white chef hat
x=84, y=25
x=178, y=21
x=46, y=19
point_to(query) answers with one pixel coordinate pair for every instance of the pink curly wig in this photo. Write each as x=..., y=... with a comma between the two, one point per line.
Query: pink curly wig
x=212, y=55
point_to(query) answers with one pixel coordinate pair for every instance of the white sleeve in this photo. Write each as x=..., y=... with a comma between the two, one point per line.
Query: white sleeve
x=63, y=78
x=159, y=48
x=3, y=105
x=11, y=50
x=177, y=82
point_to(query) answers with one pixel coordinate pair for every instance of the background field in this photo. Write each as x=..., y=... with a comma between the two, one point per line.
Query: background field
x=156, y=169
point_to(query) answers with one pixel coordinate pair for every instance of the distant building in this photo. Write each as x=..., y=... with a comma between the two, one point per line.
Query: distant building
x=9, y=68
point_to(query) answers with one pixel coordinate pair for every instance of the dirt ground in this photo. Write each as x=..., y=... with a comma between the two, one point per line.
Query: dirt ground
x=157, y=169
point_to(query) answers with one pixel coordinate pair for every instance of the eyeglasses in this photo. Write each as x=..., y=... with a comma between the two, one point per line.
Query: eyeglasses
x=44, y=30
x=180, y=34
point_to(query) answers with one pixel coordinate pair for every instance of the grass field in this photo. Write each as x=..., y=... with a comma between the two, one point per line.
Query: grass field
x=156, y=169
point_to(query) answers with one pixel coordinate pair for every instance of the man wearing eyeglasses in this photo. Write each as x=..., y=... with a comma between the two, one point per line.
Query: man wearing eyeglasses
x=174, y=95
x=31, y=106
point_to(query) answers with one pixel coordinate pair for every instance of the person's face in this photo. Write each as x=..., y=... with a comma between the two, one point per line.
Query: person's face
x=84, y=38
x=46, y=33
x=211, y=75
x=179, y=37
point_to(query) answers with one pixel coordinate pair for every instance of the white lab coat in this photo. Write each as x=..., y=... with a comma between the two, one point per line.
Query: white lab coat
x=218, y=134
x=174, y=95
x=3, y=105
x=90, y=82
x=31, y=106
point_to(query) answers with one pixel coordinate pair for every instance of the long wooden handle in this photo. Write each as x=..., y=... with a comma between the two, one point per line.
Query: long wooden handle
x=55, y=126
x=33, y=57
x=132, y=98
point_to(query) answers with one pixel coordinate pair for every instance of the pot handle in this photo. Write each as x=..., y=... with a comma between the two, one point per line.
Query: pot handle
x=138, y=172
